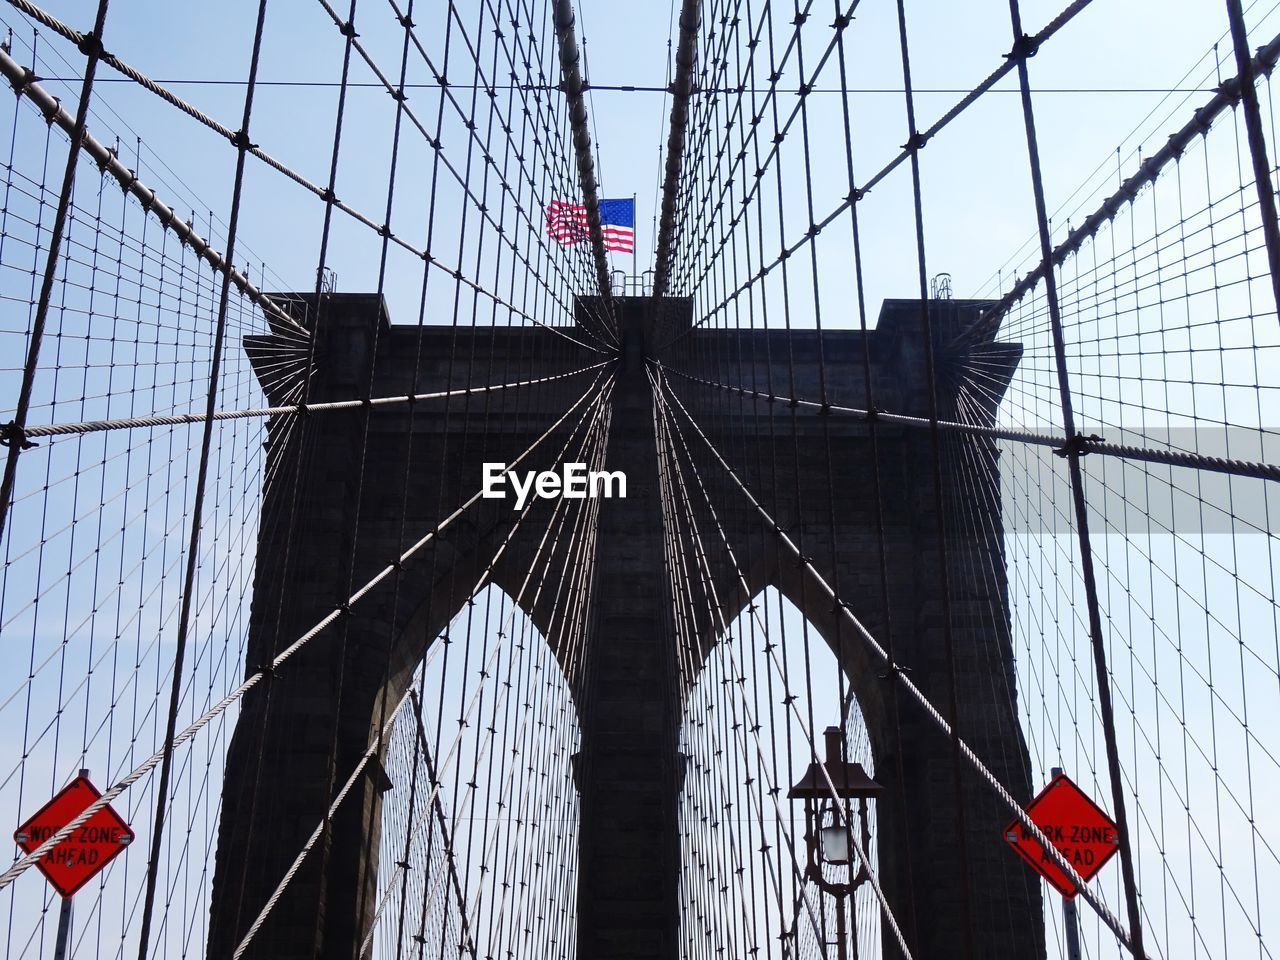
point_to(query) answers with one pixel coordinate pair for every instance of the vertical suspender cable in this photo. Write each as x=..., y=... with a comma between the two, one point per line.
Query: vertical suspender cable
x=197, y=509
x=914, y=144
x=12, y=434
x=1073, y=454
x=1246, y=74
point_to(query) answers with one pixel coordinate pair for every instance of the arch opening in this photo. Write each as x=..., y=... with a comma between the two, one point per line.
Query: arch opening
x=753, y=723
x=477, y=829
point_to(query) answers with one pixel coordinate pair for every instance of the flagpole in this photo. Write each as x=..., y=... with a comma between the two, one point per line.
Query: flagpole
x=635, y=238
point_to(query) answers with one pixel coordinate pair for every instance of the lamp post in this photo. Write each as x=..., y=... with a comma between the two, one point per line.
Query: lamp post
x=828, y=831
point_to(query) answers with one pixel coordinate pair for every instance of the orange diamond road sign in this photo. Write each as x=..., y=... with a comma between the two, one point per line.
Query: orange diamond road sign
x=95, y=843
x=1078, y=827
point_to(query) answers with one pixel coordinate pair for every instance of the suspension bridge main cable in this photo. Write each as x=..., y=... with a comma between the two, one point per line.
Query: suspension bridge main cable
x=919, y=141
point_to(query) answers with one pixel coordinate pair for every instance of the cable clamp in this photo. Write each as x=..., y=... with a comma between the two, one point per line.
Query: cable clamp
x=20, y=84
x=894, y=670
x=266, y=670
x=348, y=30
x=241, y=140
x=1023, y=48
x=106, y=162
x=14, y=436
x=841, y=21
x=915, y=143
x=1077, y=446
x=90, y=45
x=873, y=414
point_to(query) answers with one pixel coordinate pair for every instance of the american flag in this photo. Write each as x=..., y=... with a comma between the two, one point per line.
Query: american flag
x=567, y=223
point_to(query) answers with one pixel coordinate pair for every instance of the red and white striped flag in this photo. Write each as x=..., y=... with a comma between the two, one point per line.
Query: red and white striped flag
x=567, y=223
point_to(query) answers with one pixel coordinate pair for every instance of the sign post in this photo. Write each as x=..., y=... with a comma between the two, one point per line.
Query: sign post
x=77, y=859
x=64, y=930
x=1070, y=920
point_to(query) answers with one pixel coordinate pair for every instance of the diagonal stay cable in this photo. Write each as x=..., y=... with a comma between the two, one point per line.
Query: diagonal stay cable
x=918, y=142
x=789, y=700
x=21, y=865
x=894, y=671
x=684, y=624
x=376, y=743
x=167, y=420
x=1256, y=469
x=435, y=143
x=543, y=151
x=24, y=83
x=198, y=508
x=752, y=725
x=12, y=433
x=596, y=441
x=1228, y=95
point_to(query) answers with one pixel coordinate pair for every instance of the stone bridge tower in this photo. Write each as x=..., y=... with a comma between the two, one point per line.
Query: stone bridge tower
x=299, y=734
